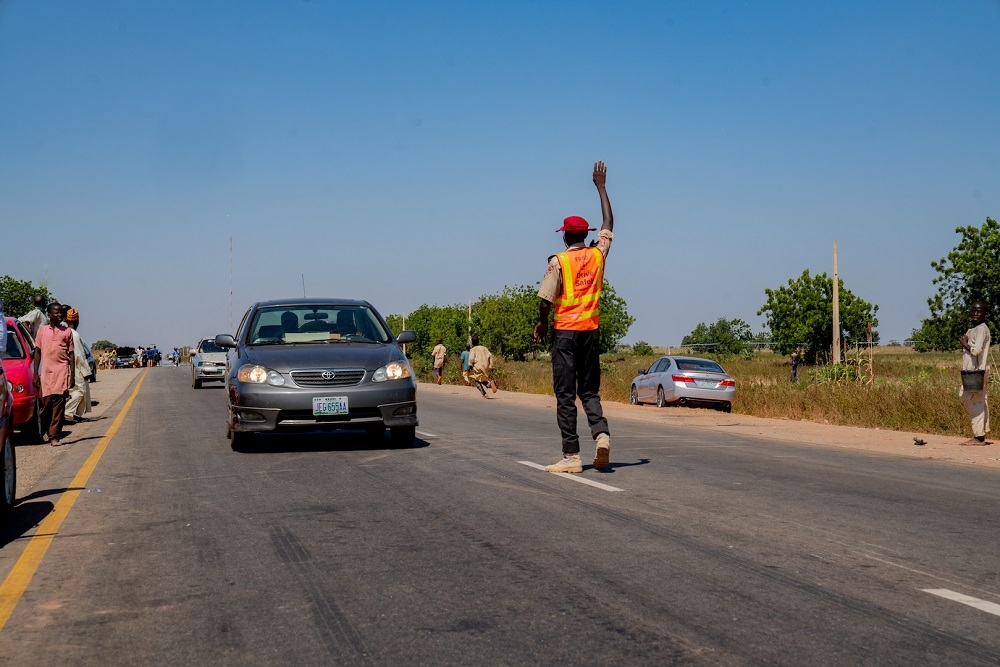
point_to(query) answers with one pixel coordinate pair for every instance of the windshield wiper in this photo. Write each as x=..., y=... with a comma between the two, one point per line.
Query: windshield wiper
x=268, y=341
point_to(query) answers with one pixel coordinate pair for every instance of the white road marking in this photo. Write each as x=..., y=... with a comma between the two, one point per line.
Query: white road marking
x=575, y=478
x=981, y=605
x=427, y=435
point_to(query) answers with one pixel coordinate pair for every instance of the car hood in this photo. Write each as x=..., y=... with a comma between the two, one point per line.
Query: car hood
x=284, y=358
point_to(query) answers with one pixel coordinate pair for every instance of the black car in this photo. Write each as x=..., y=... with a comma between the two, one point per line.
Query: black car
x=318, y=364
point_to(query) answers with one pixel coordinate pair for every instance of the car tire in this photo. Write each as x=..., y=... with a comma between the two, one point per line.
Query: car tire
x=402, y=436
x=633, y=397
x=661, y=400
x=35, y=430
x=240, y=441
x=8, y=477
x=728, y=407
x=375, y=433
x=196, y=383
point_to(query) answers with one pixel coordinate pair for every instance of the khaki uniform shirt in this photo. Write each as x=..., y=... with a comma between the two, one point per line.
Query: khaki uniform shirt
x=552, y=282
x=480, y=363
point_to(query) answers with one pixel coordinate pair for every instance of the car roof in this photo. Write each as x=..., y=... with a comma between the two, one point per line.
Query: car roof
x=310, y=302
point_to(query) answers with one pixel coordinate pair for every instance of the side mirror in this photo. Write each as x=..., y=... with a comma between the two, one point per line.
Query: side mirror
x=225, y=340
x=406, y=337
x=642, y=371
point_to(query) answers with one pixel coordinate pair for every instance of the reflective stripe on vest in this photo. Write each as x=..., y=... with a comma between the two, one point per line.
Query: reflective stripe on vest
x=582, y=282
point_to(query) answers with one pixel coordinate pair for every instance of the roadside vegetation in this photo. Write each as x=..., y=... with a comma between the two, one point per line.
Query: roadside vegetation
x=900, y=389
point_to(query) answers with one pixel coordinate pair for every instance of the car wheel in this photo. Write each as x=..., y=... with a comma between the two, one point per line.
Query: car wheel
x=36, y=429
x=196, y=383
x=8, y=472
x=240, y=441
x=728, y=407
x=661, y=400
x=633, y=398
x=402, y=436
x=375, y=432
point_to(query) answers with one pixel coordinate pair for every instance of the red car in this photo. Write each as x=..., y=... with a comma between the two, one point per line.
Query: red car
x=8, y=463
x=21, y=375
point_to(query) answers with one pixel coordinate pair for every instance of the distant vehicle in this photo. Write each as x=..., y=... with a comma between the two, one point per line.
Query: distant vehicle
x=20, y=372
x=684, y=381
x=8, y=460
x=126, y=357
x=318, y=364
x=208, y=363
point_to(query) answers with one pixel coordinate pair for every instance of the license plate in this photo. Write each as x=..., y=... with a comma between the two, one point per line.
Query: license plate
x=330, y=405
x=706, y=384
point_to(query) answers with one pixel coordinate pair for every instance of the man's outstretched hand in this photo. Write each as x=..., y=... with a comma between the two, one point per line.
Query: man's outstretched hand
x=600, y=174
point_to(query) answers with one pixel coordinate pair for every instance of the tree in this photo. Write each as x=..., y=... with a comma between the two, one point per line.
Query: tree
x=503, y=322
x=103, y=345
x=724, y=336
x=969, y=273
x=17, y=295
x=800, y=316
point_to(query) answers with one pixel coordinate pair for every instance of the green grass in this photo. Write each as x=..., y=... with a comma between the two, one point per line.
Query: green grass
x=910, y=392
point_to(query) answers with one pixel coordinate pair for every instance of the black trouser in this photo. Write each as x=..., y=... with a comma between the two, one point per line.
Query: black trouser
x=576, y=371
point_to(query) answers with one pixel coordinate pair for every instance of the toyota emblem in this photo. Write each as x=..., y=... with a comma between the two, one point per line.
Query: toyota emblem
x=328, y=375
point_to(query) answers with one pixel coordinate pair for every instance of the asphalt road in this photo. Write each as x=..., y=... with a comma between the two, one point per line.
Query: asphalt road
x=715, y=549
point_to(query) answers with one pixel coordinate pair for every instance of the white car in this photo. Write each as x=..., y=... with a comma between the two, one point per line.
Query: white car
x=208, y=363
x=684, y=381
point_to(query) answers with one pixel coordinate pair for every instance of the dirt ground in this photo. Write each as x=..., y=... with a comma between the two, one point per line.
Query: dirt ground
x=937, y=447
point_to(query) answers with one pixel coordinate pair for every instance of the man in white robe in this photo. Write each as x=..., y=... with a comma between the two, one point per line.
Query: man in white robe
x=78, y=403
x=975, y=357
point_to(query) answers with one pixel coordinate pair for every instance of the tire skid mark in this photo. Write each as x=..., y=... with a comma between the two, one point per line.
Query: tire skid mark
x=341, y=639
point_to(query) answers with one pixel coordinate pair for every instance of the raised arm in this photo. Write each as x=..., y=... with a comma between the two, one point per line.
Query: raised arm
x=600, y=180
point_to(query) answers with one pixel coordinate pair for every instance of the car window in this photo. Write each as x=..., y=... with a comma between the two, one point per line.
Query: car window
x=317, y=324
x=208, y=345
x=240, y=328
x=658, y=366
x=14, y=348
x=699, y=366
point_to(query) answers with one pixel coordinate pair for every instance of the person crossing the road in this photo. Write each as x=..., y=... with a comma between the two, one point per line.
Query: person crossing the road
x=480, y=365
x=440, y=353
x=573, y=284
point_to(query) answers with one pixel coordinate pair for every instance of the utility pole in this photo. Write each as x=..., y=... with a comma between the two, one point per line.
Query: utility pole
x=230, y=283
x=836, y=308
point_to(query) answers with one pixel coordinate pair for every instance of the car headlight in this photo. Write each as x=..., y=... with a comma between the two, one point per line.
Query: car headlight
x=255, y=374
x=397, y=370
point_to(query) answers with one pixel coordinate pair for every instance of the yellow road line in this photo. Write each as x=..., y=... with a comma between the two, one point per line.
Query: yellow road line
x=24, y=569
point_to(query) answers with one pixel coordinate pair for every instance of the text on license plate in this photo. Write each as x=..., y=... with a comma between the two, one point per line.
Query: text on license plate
x=330, y=405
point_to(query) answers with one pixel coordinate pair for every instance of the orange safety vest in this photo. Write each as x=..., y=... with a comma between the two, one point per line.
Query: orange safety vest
x=582, y=282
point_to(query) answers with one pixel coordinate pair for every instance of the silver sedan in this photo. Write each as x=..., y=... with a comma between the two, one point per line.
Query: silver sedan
x=684, y=381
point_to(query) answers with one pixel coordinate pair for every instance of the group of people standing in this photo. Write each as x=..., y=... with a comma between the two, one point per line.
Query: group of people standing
x=60, y=365
x=477, y=364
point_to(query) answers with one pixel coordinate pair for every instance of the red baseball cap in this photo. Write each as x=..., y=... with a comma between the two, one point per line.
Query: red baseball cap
x=575, y=223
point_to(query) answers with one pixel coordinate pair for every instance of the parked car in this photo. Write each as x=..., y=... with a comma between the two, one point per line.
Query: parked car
x=208, y=363
x=20, y=373
x=8, y=460
x=126, y=357
x=684, y=381
x=318, y=364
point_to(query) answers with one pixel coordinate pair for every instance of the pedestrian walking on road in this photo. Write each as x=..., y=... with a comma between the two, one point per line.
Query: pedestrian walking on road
x=440, y=353
x=795, y=367
x=480, y=366
x=975, y=357
x=55, y=353
x=573, y=284
x=78, y=402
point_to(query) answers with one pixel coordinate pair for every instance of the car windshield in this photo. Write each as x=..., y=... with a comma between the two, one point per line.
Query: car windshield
x=317, y=324
x=699, y=366
x=208, y=345
x=14, y=349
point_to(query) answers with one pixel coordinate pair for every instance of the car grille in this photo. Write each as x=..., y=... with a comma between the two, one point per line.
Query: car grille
x=341, y=377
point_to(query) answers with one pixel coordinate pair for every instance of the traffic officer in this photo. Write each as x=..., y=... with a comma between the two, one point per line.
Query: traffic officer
x=573, y=283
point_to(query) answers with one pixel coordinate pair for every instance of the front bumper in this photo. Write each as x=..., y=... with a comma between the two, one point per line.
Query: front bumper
x=255, y=408
x=210, y=373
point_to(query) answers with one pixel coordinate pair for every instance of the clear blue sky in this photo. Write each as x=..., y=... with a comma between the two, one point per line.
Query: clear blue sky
x=413, y=153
